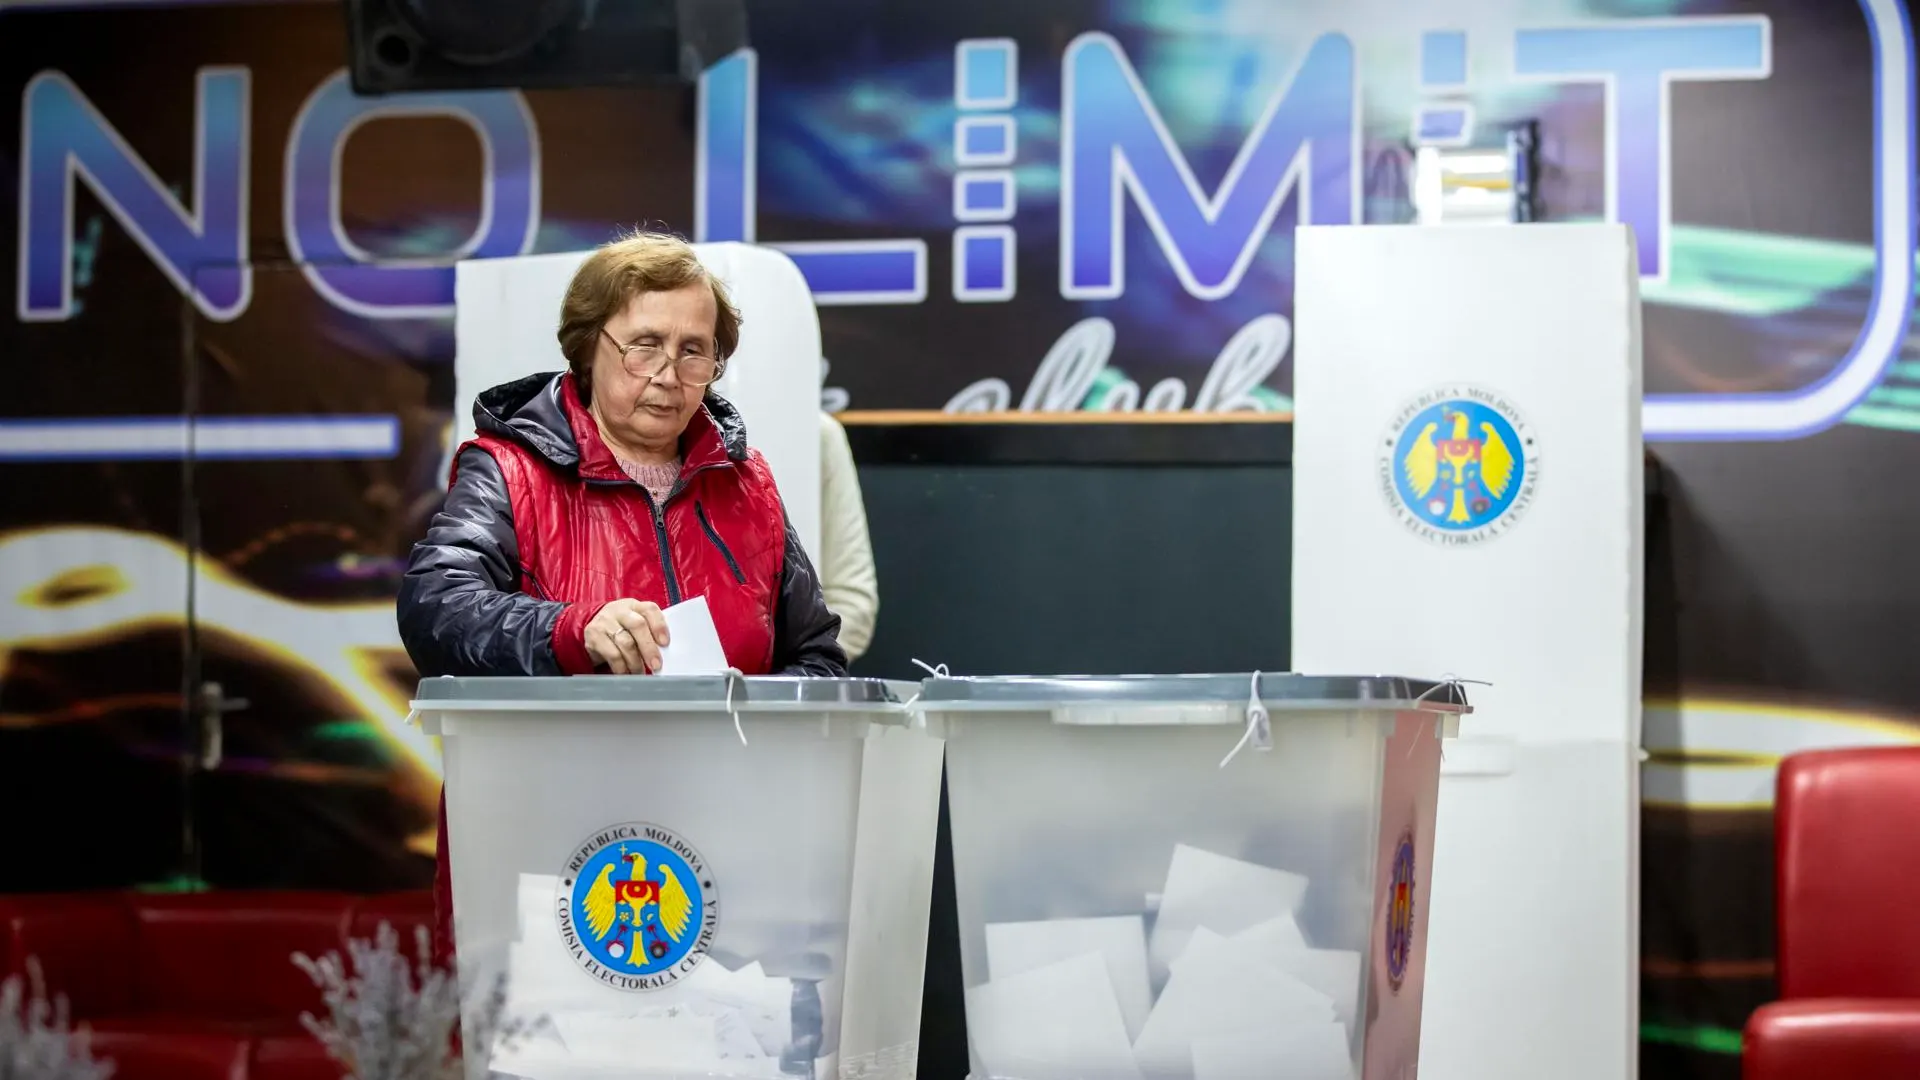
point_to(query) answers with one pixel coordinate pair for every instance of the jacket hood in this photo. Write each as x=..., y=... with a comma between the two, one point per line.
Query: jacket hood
x=542, y=413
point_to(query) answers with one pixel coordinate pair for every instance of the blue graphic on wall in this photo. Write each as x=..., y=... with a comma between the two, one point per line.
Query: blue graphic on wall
x=1147, y=174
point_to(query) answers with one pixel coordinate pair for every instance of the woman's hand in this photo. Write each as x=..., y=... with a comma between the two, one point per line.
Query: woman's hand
x=626, y=635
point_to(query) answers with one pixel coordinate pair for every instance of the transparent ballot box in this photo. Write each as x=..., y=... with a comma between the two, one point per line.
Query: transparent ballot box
x=1193, y=877
x=687, y=876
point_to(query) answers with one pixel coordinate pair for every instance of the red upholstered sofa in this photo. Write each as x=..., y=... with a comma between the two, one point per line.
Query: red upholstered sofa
x=197, y=985
x=1849, y=950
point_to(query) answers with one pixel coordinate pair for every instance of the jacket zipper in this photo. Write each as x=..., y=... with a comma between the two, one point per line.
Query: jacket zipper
x=659, y=513
x=701, y=512
x=539, y=590
x=660, y=539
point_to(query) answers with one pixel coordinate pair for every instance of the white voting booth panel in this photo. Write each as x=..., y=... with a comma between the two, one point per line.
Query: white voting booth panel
x=507, y=311
x=1165, y=901
x=1468, y=486
x=693, y=876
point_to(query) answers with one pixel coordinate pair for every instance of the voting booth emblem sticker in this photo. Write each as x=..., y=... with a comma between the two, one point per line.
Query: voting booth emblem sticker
x=637, y=907
x=1399, y=938
x=1459, y=464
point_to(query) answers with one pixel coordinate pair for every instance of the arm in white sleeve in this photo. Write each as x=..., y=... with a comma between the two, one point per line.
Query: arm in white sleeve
x=846, y=551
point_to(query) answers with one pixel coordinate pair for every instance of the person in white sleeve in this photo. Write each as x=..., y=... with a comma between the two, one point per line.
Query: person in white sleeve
x=847, y=578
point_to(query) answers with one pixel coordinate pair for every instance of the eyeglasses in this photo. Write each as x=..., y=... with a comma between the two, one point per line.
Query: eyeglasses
x=649, y=361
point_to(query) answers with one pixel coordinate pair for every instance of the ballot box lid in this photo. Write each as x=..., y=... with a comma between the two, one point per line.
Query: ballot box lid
x=1277, y=692
x=655, y=693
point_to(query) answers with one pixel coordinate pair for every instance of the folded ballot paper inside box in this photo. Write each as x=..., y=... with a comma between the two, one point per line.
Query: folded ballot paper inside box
x=1226, y=987
x=713, y=1022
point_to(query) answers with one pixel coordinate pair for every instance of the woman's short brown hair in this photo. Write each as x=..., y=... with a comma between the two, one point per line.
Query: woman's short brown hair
x=640, y=262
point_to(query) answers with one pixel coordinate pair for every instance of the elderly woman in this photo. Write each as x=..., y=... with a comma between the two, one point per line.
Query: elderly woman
x=592, y=498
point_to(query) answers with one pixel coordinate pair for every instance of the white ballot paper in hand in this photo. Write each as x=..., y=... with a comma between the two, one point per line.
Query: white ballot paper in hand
x=693, y=646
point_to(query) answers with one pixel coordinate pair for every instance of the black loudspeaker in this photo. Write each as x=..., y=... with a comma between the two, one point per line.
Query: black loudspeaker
x=411, y=45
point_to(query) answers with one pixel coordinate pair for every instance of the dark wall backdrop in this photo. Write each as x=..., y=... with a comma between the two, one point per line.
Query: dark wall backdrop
x=1057, y=550
x=319, y=399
